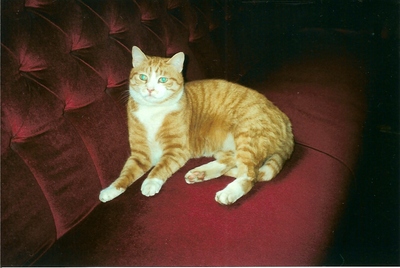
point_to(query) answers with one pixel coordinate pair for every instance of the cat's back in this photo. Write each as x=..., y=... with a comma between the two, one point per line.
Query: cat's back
x=221, y=92
x=226, y=101
x=214, y=87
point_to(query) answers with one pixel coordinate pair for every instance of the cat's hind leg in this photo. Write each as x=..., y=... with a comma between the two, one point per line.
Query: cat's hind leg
x=271, y=168
x=234, y=190
x=225, y=161
x=245, y=172
x=243, y=184
x=205, y=172
x=232, y=172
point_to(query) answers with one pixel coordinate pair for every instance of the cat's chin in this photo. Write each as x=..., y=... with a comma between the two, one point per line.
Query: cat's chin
x=151, y=98
x=148, y=100
x=152, y=101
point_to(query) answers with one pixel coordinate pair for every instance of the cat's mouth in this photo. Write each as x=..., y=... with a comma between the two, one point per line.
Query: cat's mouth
x=151, y=97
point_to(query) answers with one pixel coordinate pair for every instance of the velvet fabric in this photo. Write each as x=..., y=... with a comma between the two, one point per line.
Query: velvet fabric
x=65, y=67
x=289, y=221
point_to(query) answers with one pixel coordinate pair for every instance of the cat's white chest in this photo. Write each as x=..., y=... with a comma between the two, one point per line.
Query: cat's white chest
x=152, y=118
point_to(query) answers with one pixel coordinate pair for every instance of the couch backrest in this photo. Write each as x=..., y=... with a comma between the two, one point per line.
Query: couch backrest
x=65, y=66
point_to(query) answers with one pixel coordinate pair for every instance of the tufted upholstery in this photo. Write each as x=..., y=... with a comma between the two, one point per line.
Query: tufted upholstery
x=66, y=65
x=64, y=137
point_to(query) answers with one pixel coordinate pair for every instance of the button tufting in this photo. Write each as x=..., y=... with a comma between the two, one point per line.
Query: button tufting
x=65, y=69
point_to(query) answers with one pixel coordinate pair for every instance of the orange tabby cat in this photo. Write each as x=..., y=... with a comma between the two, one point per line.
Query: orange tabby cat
x=170, y=122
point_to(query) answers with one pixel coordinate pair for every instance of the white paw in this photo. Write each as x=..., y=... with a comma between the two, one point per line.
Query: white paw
x=230, y=194
x=151, y=187
x=110, y=193
x=194, y=176
x=205, y=172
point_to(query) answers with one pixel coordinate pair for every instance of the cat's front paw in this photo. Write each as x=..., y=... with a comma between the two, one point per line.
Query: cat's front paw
x=151, y=187
x=229, y=195
x=110, y=193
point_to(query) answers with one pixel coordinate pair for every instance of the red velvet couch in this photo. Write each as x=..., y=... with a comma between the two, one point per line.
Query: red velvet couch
x=65, y=67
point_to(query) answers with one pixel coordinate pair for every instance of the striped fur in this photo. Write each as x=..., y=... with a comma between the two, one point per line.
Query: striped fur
x=170, y=122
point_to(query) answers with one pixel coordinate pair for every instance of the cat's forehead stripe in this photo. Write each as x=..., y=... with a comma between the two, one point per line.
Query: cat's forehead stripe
x=155, y=69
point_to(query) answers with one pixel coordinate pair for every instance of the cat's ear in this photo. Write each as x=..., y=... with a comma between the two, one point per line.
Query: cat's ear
x=177, y=61
x=137, y=56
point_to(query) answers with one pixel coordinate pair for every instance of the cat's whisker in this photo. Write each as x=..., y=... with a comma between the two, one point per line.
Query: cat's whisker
x=124, y=97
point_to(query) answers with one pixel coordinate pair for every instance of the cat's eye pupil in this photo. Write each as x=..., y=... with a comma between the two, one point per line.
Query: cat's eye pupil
x=163, y=79
x=143, y=77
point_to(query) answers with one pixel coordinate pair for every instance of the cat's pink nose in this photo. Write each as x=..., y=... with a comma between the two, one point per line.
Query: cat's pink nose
x=150, y=90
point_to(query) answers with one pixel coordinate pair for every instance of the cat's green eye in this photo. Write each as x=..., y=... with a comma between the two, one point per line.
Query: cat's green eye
x=143, y=77
x=162, y=79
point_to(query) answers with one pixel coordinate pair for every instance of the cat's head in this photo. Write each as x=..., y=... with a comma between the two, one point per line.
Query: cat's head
x=156, y=80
